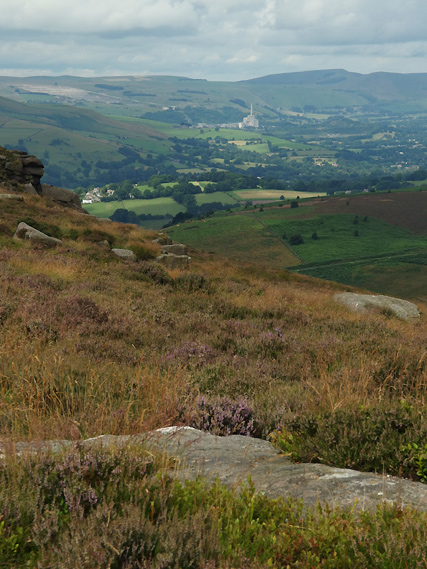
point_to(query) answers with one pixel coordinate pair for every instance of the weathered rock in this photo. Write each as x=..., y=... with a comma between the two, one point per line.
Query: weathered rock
x=24, y=169
x=25, y=231
x=163, y=239
x=64, y=197
x=30, y=189
x=176, y=249
x=174, y=261
x=232, y=459
x=11, y=197
x=365, y=302
x=125, y=254
x=104, y=244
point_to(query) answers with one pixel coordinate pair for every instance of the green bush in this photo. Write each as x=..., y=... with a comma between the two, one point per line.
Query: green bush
x=374, y=439
x=296, y=239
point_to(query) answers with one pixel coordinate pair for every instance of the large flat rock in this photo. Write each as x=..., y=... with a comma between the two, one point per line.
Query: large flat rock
x=366, y=302
x=232, y=459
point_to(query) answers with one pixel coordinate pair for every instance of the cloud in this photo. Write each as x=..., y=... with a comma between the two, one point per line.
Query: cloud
x=222, y=39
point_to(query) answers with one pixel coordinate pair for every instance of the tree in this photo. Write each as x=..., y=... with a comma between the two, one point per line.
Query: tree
x=296, y=239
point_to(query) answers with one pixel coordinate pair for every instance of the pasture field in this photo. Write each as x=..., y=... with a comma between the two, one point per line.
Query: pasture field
x=403, y=276
x=157, y=206
x=342, y=236
x=364, y=251
x=239, y=237
x=258, y=194
x=223, y=197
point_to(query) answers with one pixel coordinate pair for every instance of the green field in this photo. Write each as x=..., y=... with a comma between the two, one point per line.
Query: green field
x=402, y=276
x=158, y=206
x=222, y=197
x=274, y=195
x=236, y=236
x=355, y=250
x=336, y=236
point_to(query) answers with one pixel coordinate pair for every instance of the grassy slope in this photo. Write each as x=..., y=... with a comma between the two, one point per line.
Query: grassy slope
x=238, y=237
x=91, y=344
x=393, y=236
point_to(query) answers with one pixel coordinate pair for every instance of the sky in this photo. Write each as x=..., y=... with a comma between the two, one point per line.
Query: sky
x=227, y=40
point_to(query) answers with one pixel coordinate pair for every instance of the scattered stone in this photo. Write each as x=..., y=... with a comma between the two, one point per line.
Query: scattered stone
x=104, y=245
x=176, y=249
x=365, y=302
x=232, y=459
x=11, y=197
x=174, y=261
x=25, y=231
x=125, y=254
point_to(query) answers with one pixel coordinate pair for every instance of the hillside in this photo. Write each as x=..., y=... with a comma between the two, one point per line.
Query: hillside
x=94, y=344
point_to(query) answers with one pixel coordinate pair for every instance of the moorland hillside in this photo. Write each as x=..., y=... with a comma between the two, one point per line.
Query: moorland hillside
x=94, y=344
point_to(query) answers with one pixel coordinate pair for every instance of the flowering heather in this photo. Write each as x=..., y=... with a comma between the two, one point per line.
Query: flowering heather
x=193, y=354
x=224, y=417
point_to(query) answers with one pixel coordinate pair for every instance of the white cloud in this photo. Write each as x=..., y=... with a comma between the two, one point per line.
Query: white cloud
x=223, y=39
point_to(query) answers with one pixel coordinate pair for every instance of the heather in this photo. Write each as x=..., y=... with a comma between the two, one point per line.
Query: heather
x=91, y=508
x=91, y=344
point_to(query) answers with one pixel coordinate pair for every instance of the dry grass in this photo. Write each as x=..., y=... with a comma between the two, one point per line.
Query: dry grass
x=90, y=344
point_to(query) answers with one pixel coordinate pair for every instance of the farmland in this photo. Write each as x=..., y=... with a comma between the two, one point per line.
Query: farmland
x=375, y=241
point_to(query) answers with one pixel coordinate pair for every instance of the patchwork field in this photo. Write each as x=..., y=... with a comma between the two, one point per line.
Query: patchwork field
x=377, y=241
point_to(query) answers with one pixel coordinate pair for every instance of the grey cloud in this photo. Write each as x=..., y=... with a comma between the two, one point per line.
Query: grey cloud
x=222, y=39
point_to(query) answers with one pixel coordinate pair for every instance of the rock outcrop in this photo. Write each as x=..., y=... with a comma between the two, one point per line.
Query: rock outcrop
x=232, y=459
x=174, y=261
x=125, y=254
x=366, y=302
x=65, y=197
x=25, y=231
x=163, y=239
x=23, y=171
x=175, y=249
x=21, y=168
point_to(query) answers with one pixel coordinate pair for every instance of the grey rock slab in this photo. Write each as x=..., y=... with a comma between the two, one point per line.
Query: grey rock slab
x=25, y=231
x=11, y=197
x=365, y=302
x=232, y=459
x=125, y=254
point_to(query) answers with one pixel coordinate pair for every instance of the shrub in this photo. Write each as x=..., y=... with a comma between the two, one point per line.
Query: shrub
x=155, y=273
x=191, y=282
x=294, y=204
x=296, y=239
x=374, y=440
x=142, y=253
x=314, y=236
